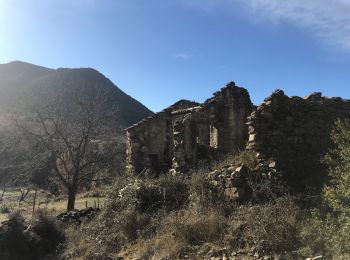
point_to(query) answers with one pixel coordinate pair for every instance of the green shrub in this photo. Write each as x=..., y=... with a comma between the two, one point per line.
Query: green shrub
x=167, y=192
x=314, y=234
x=337, y=191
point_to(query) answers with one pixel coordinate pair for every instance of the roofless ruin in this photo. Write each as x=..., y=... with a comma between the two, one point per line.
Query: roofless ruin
x=292, y=132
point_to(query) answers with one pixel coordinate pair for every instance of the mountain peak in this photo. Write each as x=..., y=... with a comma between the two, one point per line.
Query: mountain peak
x=22, y=79
x=23, y=64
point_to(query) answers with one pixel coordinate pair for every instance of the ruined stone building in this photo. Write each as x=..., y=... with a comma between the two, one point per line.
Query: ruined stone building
x=187, y=132
x=294, y=132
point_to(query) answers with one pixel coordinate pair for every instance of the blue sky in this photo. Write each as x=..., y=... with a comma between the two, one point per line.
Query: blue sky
x=159, y=51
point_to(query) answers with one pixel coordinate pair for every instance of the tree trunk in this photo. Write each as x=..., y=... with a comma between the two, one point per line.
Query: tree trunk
x=34, y=201
x=72, y=192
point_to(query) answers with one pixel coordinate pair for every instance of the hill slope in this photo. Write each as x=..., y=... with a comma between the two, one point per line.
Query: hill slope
x=25, y=87
x=21, y=81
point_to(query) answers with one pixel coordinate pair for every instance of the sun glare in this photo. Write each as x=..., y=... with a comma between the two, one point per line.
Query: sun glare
x=2, y=10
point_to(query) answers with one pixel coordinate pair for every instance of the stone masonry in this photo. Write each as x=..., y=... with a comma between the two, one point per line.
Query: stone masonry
x=295, y=133
x=292, y=132
x=178, y=137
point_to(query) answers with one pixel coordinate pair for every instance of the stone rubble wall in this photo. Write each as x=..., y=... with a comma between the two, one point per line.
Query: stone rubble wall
x=150, y=142
x=291, y=132
x=150, y=137
x=194, y=135
x=228, y=111
x=295, y=132
x=240, y=183
x=180, y=136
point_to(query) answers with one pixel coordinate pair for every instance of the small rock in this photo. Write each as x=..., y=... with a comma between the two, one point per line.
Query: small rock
x=243, y=169
x=213, y=175
x=231, y=169
x=232, y=193
x=272, y=164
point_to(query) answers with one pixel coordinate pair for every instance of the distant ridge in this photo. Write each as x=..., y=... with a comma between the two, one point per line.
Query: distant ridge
x=19, y=79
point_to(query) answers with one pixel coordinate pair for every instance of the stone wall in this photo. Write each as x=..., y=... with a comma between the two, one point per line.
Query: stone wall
x=295, y=132
x=292, y=132
x=215, y=128
x=150, y=142
x=180, y=136
x=228, y=112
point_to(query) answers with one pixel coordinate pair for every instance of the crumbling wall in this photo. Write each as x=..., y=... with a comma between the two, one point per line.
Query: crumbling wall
x=187, y=132
x=295, y=132
x=150, y=142
x=292, y=132
x=228, y=112
x=216, y=128
x=191, y=140
x=147, y=144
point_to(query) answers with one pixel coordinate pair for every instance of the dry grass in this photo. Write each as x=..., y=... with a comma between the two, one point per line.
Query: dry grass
x=34, y=239
x=152, y=219
x=3, y=217
x=11, y=201
x=180, y=230
x=271, y=227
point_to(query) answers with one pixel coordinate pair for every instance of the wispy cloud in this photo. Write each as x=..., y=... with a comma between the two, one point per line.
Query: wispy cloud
x=328, y=20
x=181, y=56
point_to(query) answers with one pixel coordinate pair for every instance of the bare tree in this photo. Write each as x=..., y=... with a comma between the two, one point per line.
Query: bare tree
x=68, y=133
x=3, y=150
x=7, y=145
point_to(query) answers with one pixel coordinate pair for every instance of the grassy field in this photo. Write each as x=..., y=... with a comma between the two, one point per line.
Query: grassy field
x=43, y=200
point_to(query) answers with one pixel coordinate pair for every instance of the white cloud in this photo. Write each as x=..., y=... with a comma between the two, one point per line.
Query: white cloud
x=329, y=20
